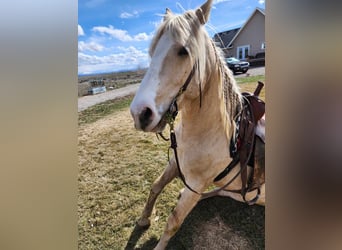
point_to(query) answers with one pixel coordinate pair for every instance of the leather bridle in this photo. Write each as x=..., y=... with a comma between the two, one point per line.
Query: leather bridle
x=170, y=117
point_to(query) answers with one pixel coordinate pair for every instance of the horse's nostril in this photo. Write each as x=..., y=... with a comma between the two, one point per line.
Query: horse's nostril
x=147, y=113
x=145, y=117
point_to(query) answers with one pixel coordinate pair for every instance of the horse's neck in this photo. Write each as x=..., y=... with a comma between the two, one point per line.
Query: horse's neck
x=211, y=115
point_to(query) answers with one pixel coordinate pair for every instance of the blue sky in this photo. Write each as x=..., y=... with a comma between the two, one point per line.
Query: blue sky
x=114, y=35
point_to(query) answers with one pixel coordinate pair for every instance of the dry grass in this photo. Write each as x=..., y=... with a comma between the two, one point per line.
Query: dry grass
x=117, y=166
x=101, y=110
x=248, y=84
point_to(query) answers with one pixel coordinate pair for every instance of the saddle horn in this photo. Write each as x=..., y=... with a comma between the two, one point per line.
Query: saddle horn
x=258, y=88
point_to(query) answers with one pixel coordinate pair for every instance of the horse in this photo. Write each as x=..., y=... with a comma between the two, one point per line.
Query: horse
x=187, y=73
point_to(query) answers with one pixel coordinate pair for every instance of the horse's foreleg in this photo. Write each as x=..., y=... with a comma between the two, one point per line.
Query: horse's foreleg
x=210, y=194
x=168, y=175
x=237, y=196
x=185, y=204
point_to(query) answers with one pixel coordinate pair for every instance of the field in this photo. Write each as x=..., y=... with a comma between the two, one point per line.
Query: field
x=117, y=166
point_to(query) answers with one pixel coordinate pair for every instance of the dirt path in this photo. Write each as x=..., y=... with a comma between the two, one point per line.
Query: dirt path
x=85, y=102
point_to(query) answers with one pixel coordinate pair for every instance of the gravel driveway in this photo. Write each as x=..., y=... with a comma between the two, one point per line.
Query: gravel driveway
x=255, y=71
x=85, y=102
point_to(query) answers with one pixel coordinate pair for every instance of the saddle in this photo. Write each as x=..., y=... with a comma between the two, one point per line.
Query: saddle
x=248, y=145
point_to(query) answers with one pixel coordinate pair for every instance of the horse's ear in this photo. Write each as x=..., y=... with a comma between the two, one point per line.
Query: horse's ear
x=168, y=12
x=204, y=11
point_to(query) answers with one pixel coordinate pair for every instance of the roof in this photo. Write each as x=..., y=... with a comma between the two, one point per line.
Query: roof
x=223, y=39
x=262, y=11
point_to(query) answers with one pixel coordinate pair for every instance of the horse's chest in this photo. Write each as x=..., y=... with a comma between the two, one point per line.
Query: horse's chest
x=203, y=152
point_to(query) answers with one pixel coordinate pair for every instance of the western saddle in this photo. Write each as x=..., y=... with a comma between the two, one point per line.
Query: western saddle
x=247, y=147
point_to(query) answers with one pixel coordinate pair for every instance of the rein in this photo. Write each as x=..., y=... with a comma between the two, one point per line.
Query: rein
x=245, y=114
x=170, y=117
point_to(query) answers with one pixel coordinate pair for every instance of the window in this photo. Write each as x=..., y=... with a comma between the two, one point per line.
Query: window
x=242, y=52
x=263, y=45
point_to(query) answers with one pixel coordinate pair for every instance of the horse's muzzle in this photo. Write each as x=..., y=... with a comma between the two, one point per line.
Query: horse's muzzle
x=145, y=117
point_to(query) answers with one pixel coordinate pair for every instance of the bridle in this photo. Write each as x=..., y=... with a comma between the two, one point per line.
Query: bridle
x=170, y=117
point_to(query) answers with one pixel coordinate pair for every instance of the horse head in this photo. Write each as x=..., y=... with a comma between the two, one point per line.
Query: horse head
x=178, y=56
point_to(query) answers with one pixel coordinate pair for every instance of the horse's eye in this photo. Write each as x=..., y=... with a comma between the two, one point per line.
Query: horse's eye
x=183, y=52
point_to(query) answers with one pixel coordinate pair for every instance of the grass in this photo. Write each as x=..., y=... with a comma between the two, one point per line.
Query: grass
x=101, y=110
x=117, y=166
x=250, y=79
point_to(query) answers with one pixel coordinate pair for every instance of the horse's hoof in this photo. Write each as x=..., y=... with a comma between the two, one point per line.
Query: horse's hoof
x=144, y=222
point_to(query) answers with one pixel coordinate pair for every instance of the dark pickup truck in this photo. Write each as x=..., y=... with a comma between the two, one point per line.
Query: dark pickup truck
x=236, y=65
x=257, y=60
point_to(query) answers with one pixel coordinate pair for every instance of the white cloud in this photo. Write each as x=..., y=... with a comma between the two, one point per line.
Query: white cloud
x=157, y=23
x=221, y=1
x=129, y=15
x=126, y=58
x=261, y=1
x=91, y=46
x=80, y=31
x=141, y=37
x=121, y=35
x=126, y=15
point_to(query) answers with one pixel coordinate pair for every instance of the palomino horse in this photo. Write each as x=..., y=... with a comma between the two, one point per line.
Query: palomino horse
x=188, y=73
